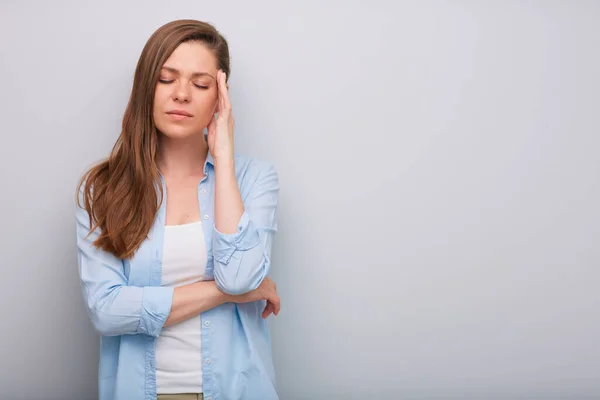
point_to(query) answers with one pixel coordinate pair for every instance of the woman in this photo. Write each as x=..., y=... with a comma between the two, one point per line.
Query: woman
x=174, y=235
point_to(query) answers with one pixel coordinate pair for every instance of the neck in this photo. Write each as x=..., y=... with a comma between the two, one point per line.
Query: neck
x=183, y=157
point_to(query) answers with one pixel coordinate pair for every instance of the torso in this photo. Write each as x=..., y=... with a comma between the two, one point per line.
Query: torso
x=236, y=342
x=178, y=351
x=179, y=347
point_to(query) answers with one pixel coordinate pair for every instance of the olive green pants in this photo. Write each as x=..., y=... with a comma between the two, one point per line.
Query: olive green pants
x=185, y=396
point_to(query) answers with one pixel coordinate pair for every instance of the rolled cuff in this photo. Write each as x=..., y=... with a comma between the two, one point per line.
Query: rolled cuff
x=226, y=244
x=156, y=307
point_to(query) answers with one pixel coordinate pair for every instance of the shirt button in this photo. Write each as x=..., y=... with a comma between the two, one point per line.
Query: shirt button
x=209, y=398
x=206, y=216
x=206, y=323
x=207, y=361
x=202, y=190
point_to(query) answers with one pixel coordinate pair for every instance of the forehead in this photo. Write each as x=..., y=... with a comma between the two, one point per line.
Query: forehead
x=192, y=56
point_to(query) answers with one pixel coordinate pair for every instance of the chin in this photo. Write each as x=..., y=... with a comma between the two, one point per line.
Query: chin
x=179, y=132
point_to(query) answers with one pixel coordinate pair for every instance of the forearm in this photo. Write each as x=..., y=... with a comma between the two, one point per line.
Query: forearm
x=229, y=206
x=193, y=299
x=243, y=255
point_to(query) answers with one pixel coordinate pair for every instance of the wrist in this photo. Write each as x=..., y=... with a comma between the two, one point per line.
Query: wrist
x=218, y=295
x=224, y=297
x=223, y=162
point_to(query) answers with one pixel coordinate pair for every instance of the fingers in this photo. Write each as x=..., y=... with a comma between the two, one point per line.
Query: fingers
x=273, y=288
x=224, y=101
x=275, y=301
x=269, y=290
x=277, y=307
x=212, y=126
x=268, y=310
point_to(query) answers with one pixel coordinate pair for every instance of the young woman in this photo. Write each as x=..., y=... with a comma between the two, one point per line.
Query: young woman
x=174, y=235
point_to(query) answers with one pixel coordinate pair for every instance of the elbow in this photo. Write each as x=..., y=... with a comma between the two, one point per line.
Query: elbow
x=103, y=324
x=107, y=322
x=100, y=318
x=242, y=271
x=235, y=285
x=133, y=311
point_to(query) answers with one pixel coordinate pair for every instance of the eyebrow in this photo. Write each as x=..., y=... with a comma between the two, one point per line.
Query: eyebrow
x=194, y=75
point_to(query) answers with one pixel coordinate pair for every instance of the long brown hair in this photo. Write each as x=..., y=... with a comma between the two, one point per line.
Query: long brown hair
x=122, y=193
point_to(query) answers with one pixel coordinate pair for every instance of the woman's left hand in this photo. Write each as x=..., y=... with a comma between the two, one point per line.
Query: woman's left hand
x=220, y=130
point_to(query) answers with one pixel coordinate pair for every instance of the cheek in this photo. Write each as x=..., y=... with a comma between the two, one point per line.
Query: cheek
x=205, y=106
x=161, y=93
x=158, y=109
x=211, y=101
x=158, y=101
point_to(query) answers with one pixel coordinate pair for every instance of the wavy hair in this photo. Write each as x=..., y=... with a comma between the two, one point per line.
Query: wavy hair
x=122, y=193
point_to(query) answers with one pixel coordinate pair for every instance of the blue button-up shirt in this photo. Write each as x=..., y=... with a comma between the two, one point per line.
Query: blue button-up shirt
x=128, y=306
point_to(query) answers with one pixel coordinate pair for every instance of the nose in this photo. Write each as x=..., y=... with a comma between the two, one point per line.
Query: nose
x=181, y=92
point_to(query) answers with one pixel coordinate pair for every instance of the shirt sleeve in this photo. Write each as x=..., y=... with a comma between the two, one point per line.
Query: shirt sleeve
x=243, y=259
x=114, y=307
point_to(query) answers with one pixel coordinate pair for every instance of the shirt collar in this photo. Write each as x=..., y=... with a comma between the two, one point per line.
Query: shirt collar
x=209, y=161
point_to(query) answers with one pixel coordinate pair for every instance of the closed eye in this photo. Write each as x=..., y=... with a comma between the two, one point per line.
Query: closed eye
x=165, y=81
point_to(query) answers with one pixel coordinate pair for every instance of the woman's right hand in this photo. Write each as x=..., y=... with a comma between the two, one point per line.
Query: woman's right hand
x=266, y=291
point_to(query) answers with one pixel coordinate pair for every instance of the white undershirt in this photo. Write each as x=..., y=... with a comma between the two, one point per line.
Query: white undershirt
x=179, y=346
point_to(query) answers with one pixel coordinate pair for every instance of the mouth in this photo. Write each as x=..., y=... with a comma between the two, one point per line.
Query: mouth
x=179, y=114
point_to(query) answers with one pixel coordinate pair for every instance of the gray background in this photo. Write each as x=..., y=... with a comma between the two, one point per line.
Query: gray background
x=440, y=188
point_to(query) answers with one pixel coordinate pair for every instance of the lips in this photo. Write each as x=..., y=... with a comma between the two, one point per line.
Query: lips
x=179, y=112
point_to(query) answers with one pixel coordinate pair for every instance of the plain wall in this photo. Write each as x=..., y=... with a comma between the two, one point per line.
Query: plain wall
x=439, y=208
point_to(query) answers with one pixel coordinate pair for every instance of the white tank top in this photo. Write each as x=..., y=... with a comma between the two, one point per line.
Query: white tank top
x=179, y=346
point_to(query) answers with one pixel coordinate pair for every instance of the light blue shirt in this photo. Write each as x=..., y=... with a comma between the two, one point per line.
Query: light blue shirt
x=128, y=306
